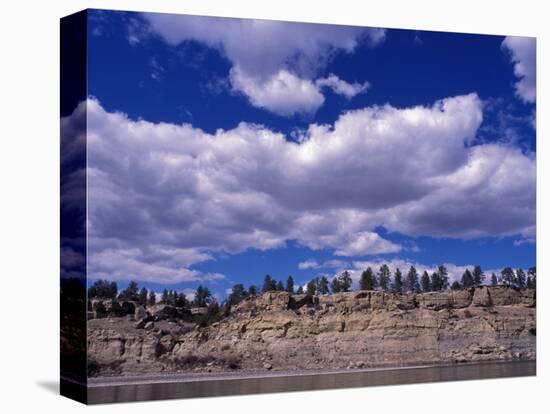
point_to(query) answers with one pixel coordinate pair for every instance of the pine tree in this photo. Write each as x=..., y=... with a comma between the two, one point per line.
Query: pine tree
x=300, y=290
x=322, y=287
x=279, y=286
x=152, y=298
x=397, y=285
x=412, y=284
x=181, y=301
x=443, y=277
x=252, y=290
x=467, y=279
x=345, y=281
x=494, y=280
x=335, y=285
x=311, y=287
x=290, y=285
x=436, y=282
x=456, y=285
x=143, y=296
x=237, y=294
x=478, y=275
x=425, y=282
x=203, y=296
x=367, y=281
x=103, y=289
x=384, y=277
x=131, y=292
x=164, y=297
x=508, y=276
x=172, y=296
x=269, y=284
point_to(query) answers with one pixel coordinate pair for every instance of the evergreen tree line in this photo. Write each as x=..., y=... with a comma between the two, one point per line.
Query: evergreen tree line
x=414, y=282
x=108, y=290
x=381, y=280
x=517, y=278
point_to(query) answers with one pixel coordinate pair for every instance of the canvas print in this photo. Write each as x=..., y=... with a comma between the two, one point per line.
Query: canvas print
x=256, y=206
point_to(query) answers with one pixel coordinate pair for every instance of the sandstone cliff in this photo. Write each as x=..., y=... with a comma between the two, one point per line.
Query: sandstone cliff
x=358, y=329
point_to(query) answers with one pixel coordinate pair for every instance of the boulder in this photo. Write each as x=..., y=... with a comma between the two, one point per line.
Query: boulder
x=140, y=324
x=161, y=312
x=140, y=313
x=149, y=325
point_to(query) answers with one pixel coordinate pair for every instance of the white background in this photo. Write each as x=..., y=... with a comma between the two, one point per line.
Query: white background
x=29, y=203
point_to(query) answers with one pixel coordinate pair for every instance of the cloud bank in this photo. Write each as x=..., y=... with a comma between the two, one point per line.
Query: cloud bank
x=167, y=196
x=273, y=63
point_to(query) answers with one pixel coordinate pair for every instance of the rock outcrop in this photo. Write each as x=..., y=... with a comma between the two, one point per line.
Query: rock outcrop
x=344, y=330
x=103, y=308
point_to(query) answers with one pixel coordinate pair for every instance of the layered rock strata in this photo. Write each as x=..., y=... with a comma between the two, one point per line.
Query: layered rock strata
x=279, y=331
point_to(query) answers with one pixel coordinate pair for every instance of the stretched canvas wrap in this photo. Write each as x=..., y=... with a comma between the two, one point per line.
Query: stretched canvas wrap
x=259, y=206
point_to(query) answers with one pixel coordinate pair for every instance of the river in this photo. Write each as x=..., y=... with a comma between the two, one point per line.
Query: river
x=109, y=390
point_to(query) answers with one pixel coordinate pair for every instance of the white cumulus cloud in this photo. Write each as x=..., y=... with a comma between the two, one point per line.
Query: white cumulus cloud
x=309, y=264
x=273, y=62
x=329, y=264
x=282, y=93
x=523, y=55
x=164, y=197
x=341, y=87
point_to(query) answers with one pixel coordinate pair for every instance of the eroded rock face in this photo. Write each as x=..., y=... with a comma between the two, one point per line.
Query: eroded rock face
x=103, y=308
x=286, y=331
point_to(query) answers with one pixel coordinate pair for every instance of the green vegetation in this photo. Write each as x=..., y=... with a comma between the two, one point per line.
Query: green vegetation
x=290, y=285
x=467, y=280
x=425, y=283
x=103, y=289
x=384, y=275
x=397, y=285
x=368, y=280
x=203, y=297
x=130, y=293
x=412, y=284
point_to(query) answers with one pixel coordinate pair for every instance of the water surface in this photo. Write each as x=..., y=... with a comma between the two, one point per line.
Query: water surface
x=207, y=385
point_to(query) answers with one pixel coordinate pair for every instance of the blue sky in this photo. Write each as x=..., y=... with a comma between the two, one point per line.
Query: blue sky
x=225, y=149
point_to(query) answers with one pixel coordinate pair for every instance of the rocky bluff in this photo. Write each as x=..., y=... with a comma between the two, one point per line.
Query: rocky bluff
x=357, y=329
